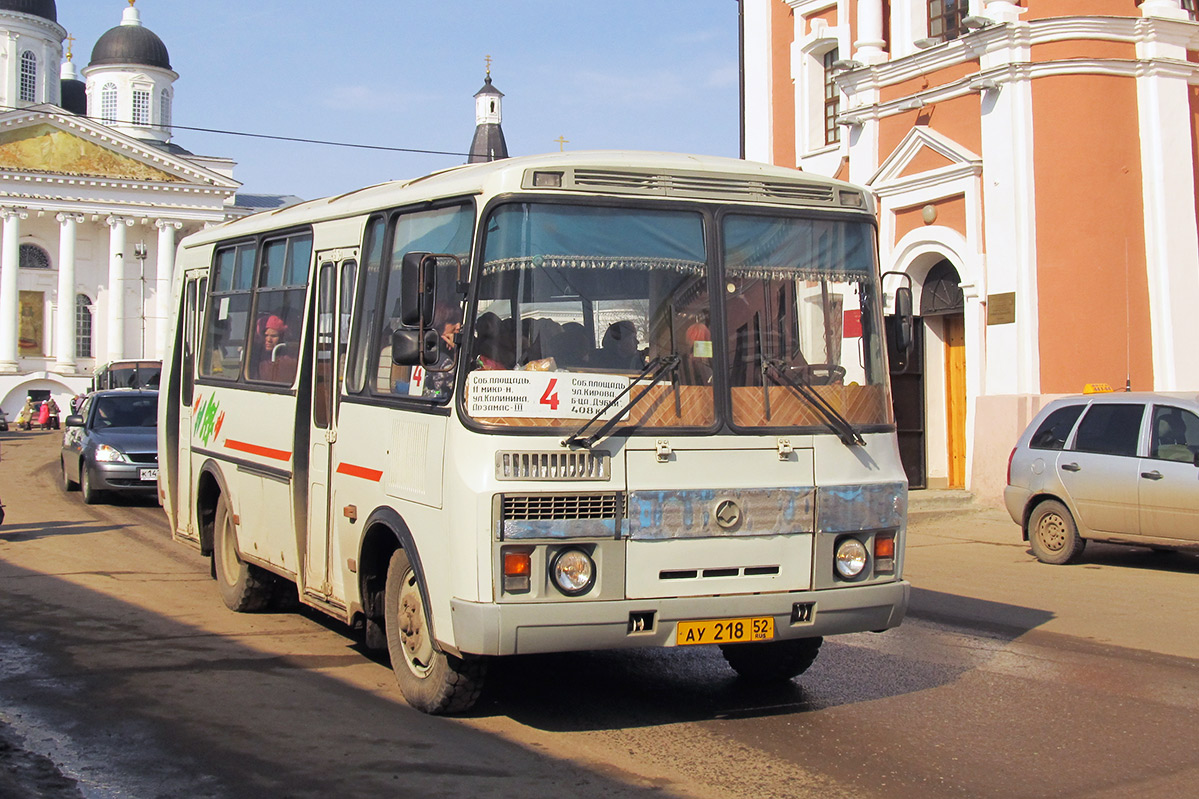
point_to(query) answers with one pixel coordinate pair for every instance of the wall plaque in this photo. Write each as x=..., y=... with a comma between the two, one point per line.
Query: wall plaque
x=1001, y=308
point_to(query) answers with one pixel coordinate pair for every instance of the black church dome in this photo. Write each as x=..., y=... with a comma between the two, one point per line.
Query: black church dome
x=74, y=97
x=130, y=44
x=38, y=8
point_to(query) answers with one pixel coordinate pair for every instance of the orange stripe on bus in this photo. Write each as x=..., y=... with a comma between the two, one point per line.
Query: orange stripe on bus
x=374, y=475
x=254, y=449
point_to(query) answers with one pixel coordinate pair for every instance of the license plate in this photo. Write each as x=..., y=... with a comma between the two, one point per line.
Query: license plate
x=148, y=474
x=725, y=631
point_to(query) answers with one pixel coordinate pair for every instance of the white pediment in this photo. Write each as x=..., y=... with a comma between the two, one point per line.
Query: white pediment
x=46, y=142
x=924, y=156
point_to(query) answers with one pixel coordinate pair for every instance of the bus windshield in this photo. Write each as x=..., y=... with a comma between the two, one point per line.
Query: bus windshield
x=804, y=319
x=581, y=308
x=575, y=302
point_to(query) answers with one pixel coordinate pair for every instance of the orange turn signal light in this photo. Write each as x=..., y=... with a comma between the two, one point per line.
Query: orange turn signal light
x=884, y=546
x=517, y=564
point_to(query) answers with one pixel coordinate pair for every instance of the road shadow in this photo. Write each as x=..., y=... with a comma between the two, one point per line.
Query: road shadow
x=1097, y=554
x=998, y=618
x=15, y=530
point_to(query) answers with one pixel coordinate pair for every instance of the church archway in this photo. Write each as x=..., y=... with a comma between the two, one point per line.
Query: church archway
x=942, y=307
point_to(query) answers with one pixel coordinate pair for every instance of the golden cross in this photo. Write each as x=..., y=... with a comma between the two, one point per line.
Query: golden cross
x=70, y=45
x=561, y=141
x=488, y=60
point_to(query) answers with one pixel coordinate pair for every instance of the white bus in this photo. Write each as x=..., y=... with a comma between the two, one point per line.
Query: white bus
x=568, y=402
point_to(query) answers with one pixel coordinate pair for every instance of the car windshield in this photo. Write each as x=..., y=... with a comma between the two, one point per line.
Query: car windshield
x=125, y=411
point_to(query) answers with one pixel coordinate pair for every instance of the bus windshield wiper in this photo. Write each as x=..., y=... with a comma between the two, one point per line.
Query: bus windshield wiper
x=832, y=417
x=660, y=366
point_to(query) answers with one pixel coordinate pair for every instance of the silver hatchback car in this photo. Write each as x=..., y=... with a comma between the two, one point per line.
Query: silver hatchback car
x=1122, y=468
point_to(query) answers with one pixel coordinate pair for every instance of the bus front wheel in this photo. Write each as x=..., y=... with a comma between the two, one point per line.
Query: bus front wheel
x=773, y=661
x=432, y=681
x=244, y=588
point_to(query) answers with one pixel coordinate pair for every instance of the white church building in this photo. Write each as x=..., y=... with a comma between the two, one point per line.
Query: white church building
x=94, y=197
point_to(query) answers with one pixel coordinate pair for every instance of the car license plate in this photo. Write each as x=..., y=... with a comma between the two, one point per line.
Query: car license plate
x=148, y=474
x=725, y=631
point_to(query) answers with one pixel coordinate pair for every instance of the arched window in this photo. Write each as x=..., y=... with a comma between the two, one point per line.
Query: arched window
x=83, y=326
x=942, y=292
x=34, y=257
x=108, y=103
x=28, y=77
x=165, y=110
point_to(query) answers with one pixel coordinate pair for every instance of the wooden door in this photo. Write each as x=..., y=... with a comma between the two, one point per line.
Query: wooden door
x=955, y=397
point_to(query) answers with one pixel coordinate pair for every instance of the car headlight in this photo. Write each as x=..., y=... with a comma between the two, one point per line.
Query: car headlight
x=572, y=571
x=850, y=558
x=107, y=454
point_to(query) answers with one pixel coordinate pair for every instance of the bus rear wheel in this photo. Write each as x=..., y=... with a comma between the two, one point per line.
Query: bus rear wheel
x=432, y=681
x=244, y=588
x=774, y=661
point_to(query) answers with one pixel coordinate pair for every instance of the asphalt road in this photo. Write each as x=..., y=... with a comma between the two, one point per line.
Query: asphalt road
x=122, y=675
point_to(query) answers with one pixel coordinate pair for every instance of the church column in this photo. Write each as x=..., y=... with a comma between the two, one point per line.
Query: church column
x=115, y=322
x=10, y=262
x=64, y=336
x=166, y=274
x=870, y=43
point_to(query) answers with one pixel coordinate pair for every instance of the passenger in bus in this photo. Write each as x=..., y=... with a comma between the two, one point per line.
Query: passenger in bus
x=491, y=350
x=573, y=347
x=439, y=379
x=695, y=361
x=619, y=348
x=276, y=363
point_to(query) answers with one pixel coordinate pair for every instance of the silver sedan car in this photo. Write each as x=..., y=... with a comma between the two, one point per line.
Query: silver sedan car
x=1122, y=468
x=112, y=445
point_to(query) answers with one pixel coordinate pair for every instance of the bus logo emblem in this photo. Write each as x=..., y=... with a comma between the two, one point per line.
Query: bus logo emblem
x=728, y=514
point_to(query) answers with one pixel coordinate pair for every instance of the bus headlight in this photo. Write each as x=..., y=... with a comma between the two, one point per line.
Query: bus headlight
x=850, y=558
x=572, y=571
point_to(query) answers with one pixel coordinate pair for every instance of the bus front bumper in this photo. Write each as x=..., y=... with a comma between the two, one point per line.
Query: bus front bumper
x=519, y=629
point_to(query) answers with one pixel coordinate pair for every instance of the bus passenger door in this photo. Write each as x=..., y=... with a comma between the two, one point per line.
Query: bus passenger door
x=336, y=278
x=181, y=481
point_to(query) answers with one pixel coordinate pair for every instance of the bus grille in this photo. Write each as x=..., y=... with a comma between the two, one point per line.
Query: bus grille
x=560, y=507
x=553, y=465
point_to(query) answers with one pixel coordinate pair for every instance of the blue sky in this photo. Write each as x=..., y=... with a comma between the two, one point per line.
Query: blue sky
x=650, y=75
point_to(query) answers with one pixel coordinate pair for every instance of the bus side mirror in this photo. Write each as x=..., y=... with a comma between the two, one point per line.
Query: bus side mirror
x=903, y=318
x=418, y=280
x=415, y=347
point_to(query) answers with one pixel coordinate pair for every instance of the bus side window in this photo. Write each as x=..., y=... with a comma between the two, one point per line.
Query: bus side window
x=228, y=312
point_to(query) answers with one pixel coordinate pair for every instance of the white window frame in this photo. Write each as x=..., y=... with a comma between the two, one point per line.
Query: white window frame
x=28, y=87
x=108, y=103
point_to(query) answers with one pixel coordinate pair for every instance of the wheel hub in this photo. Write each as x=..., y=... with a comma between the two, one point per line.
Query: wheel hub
x=1051, y=533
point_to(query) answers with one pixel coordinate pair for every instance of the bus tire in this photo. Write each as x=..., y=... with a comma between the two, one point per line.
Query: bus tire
x=1053, y=535
x=774, y=661
x=431, y=681
x=244, y=588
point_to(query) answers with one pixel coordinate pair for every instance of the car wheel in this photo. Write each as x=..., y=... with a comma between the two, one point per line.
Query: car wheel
x=244, y=588
x=91, y=494
x=432, y=681
x=67, y=483
x=774, y=661
x=1053, y=535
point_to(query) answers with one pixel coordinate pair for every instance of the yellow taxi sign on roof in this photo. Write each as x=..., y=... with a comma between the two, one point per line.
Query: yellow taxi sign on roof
x=1096, y=388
